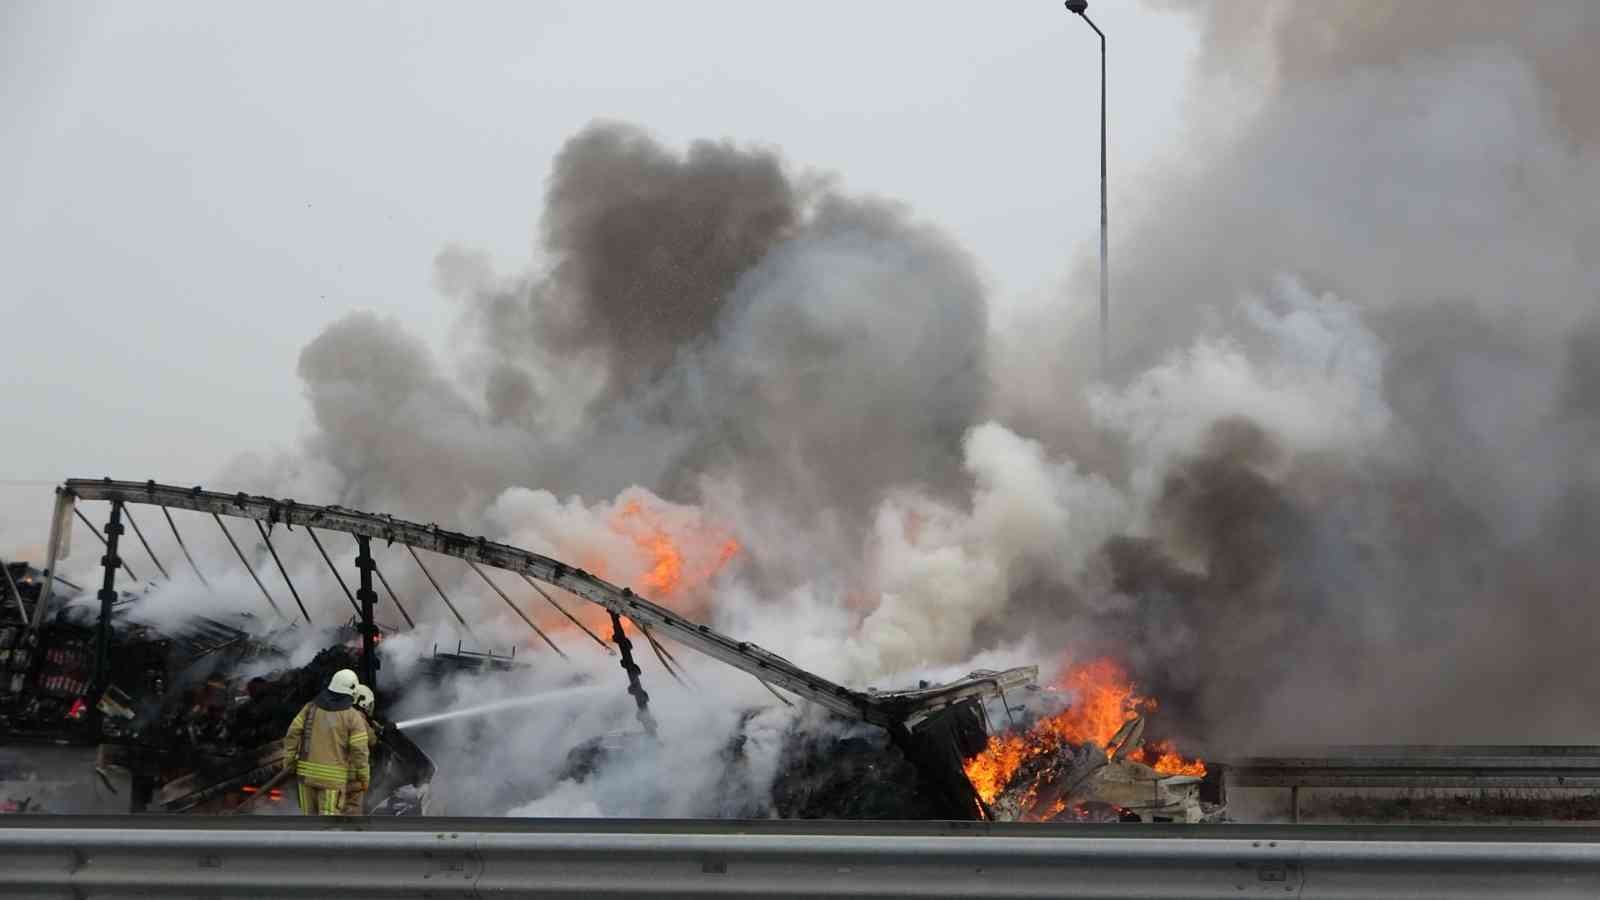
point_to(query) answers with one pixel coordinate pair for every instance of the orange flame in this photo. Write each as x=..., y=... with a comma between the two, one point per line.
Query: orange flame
x=1105, y=700
x=666, y=573
x=1165, y=758
x=677, y=557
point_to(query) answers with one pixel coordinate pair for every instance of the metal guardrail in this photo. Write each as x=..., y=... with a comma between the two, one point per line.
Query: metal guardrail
x=1418, y=767
x=307, y=858
x=1429, y=766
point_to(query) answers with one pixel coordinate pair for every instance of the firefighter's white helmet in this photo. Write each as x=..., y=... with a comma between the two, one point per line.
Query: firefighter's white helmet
x=364, y=699
x=344, y=682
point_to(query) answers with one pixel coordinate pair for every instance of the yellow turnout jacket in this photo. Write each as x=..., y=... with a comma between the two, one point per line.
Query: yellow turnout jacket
x=327, y=743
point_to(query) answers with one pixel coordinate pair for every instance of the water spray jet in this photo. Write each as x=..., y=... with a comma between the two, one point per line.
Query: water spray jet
x=497, y=706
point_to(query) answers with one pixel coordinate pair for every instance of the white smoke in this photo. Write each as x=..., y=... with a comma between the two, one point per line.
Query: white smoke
x=1314, y=381
x=940, y=571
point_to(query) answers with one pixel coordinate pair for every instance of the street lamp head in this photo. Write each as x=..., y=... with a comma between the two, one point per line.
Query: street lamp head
x=1077, y=6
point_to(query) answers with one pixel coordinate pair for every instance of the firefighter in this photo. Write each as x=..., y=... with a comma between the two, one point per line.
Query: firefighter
x=366, y=704
x=327, y=746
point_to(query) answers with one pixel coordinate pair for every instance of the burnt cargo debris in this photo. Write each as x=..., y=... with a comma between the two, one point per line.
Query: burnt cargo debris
x=194, y=715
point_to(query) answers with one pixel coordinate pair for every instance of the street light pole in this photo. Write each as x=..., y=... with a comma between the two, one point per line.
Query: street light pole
x=1081, y=7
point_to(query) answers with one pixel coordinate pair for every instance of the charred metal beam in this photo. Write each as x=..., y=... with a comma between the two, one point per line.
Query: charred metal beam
x=774, y=692
x=59, y=546
x=267, y=539
x=661, y=654
x=247, y=567
x=146, y=544
x=335, y=570
x=108, y=596
x=563, y=610
x=185, y=548
x=520, y=614
x=435, y=582
x=640, y=697
x=368, y=597
x=660, y=648
x=394, y=599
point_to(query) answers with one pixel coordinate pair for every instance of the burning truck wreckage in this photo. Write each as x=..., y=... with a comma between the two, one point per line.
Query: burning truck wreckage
x=192, y=715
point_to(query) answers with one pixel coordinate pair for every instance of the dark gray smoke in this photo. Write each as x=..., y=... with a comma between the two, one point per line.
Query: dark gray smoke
x=648, y=245
x=643, y=247
x=1435, y=165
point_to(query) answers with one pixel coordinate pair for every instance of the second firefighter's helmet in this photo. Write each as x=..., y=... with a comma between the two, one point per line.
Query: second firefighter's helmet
x=344, y=682
x=364, y=699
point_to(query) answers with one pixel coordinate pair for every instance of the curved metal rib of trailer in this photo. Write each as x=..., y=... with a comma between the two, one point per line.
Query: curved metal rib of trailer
x=889, y=709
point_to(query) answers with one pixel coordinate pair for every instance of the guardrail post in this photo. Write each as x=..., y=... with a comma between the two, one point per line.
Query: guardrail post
x=108, y=596
x=367, y=597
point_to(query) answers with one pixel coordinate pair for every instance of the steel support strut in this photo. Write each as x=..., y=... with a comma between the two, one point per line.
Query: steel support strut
x=438, y=590
x=634, y=687
x=334, y=569
x=563, y=610
x=267, y=539
x=60, y=539
x=514, y=608
x=108, y=596
x=247, y=567
x=392, y=597
x=185, y=548
x=367, y=597
x=146, y=544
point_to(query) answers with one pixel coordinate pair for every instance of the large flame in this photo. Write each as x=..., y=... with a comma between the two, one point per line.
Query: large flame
x=1165, y=758
x=669, y=553
x=677, y=556
x=1103, y=700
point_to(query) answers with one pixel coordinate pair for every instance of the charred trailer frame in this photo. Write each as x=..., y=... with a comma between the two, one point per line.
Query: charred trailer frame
x=936, y=726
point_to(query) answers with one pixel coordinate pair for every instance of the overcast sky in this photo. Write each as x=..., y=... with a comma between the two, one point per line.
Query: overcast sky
x=196, y=189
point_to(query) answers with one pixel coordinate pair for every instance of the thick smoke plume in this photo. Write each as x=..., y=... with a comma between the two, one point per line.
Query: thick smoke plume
x=1339, y=487
x=1361, y=522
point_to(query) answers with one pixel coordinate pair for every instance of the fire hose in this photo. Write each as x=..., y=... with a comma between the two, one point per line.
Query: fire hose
x=263, y=791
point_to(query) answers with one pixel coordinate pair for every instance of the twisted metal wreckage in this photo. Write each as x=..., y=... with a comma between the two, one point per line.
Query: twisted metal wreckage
x=935, y=726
